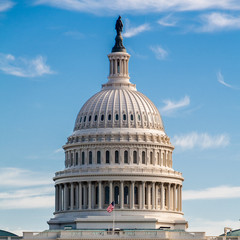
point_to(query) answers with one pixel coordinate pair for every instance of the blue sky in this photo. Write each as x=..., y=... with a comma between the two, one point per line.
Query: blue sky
x=184, y=56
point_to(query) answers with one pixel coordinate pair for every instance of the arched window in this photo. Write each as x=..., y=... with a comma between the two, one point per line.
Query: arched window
x=124, y=117
x=89, y=118
x=96, y=196
x=95, y=118
x=76, y=158
x=109, y=117
x=102, y=117
x=98, y=157
x=125, y=156
x=151, y=158
x=83, y=158
x=80, y=119
x=84, y=119
x=131, y=117
x=90, y=157
x=71, y=159
x=116, y=157
x=116, y=195
x=118, y=66
x=135, y=195
x=107, y=157
x=106, y=200
x=143, y=158
x=116, y=117
x=135, y=157
x=126, y=195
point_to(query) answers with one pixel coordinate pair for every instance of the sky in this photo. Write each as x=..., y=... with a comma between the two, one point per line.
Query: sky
x=185, y=57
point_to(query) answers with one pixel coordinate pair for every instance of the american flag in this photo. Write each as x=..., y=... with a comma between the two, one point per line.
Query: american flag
x=110, y=207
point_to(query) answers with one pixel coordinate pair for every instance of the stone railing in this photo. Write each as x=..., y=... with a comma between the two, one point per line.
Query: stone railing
x=117, y=234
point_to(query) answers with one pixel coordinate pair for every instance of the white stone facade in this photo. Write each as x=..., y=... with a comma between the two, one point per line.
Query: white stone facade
x=118, y=152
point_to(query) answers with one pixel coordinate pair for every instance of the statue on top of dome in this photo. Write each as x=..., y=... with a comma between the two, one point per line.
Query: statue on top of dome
x=118, y=47
x=119, y=26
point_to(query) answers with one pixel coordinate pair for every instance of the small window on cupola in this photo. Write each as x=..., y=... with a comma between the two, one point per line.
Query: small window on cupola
x=131, y=117
x=84, y=119
x=116, y=117
x=109, y=117
x=89, y=118
x=118, y=66
x=102, y=117
x=124, y=117
x=95, y=118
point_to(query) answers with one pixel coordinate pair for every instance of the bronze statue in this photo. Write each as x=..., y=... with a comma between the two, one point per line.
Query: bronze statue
x=118, y=47
x=119, y=26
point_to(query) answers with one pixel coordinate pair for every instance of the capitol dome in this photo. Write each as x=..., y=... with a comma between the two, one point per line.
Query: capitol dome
x=118, y=153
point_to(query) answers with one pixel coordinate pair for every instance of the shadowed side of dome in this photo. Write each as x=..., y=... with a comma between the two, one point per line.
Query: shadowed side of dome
x=119, y=108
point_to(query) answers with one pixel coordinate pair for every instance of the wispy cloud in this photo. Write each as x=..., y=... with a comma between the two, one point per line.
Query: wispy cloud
x=159, y=52
x=25, y=189
x=219, y=21
x=167, y=21
x=75, y=34
x=139, y=6
x=200, y=140
x=211, y=227
x=221, y=80
x=6, y=5
x=23, y=67
x=16, y=177
x=220, y=192
x=59, y=150
x=172, y=106
x=133, y=31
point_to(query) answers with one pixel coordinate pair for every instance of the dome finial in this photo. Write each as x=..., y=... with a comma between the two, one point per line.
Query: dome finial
x=118, y=47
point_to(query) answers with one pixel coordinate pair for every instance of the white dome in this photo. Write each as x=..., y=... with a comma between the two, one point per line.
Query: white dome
x=119, y=108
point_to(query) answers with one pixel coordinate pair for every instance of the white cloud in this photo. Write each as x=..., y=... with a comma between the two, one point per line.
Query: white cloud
x=212, y=228
x=15, y=177
x=59, y=150
x=221, y=80
x=34, y=190
x=219, y=21
x=133, y=31
x=220, y=192
x=171, y=106
x=200, y=140
x=167, y=21
x=22, y=67
x=74, y=34
x=133, y=6
x=159, y=52
x=6, y=5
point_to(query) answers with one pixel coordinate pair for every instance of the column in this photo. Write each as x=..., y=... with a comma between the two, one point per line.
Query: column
x=111, y=67
x=56, y=198
x=149, y=196
x=169, y=189
x=143, y=195
x=89, y=194
x=80, y=196
x=76, y=195
x=93, y=196
x=110, y=191
x=153, y=195
x=72, y=196
x=65, y=197
x=156, y=197
x=180, y=198
x=121, y=195
x=174, y=197
x=99, y=195
x=60, y=206
x=162, y=196
x=132, y=195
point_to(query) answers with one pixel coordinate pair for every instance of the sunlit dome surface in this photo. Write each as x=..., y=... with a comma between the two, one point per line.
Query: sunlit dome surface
x=119, y=108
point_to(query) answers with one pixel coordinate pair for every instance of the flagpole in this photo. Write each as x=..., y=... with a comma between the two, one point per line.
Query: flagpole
x=113, y=219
